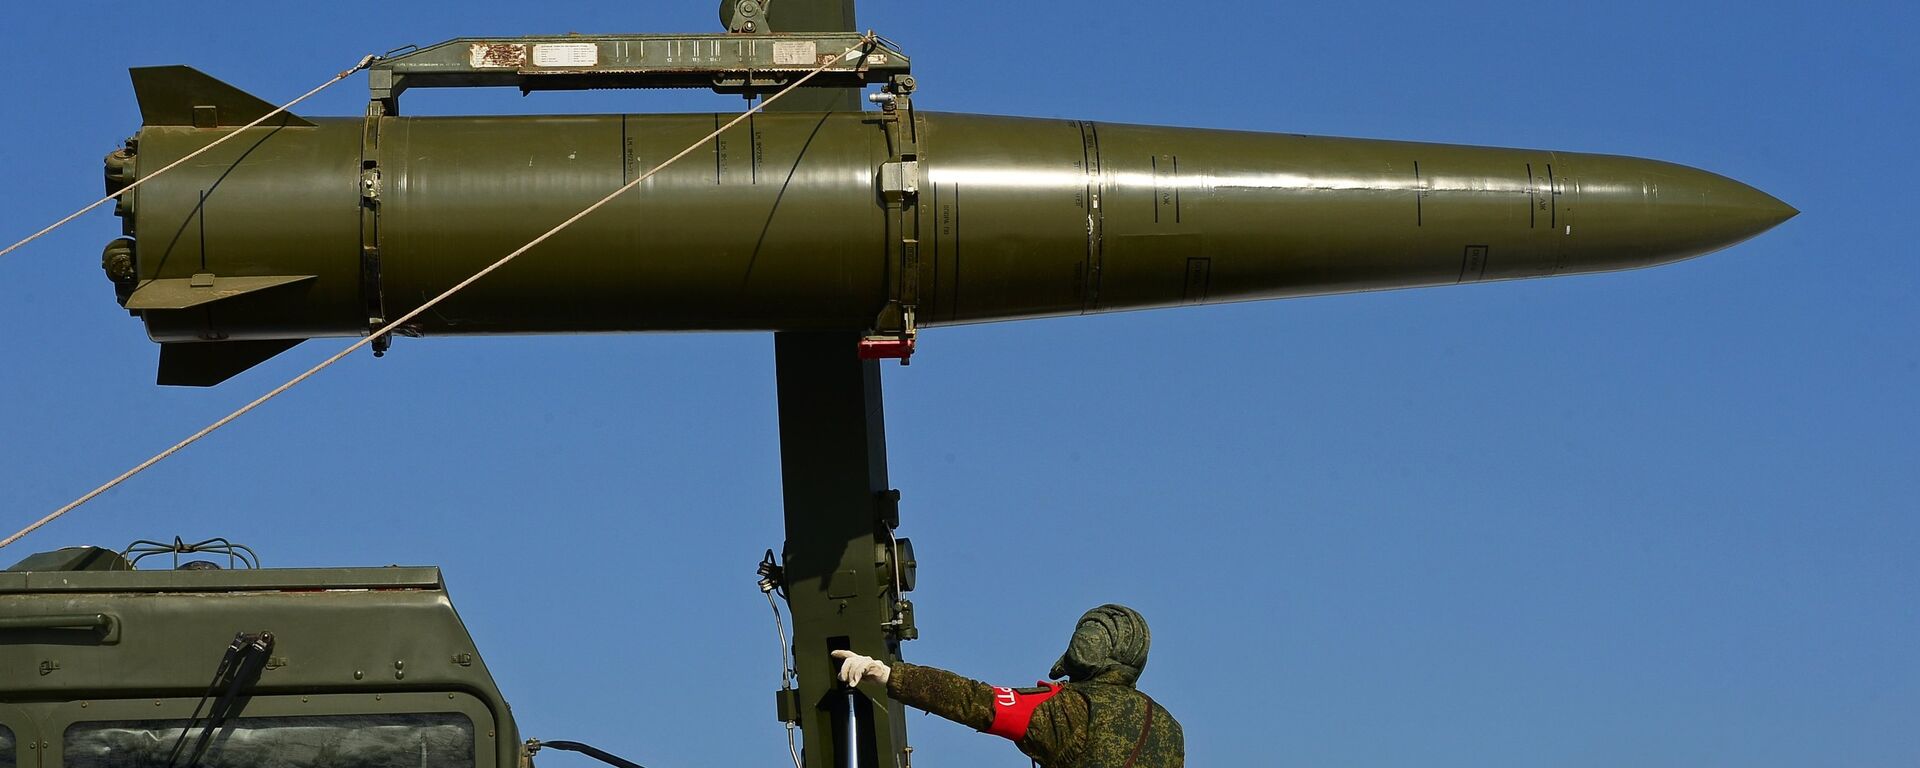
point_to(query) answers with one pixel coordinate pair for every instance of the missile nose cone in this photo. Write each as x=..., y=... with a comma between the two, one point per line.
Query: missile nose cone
x=1779, y=213
x=1698, y=212
x=1734, y=210
x=1666, y=212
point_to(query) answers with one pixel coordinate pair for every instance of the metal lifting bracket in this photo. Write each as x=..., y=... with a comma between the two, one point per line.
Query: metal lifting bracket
x=371, y=291
x=893, y=331
x=750, y=64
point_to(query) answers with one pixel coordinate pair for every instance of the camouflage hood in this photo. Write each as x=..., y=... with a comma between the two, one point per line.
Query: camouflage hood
x=1109, y=645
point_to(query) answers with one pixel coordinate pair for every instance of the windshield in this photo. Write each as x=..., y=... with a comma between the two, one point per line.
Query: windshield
x=440, y=740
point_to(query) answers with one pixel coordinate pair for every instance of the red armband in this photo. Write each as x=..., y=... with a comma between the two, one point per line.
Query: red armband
x=1013, y=709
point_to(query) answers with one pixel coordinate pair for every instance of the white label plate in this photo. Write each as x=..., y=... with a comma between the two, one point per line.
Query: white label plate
x=566, y=55
x=795, y=53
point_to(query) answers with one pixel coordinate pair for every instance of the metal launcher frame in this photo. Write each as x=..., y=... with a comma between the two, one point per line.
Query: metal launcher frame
x=750, y=64
x=843, y=573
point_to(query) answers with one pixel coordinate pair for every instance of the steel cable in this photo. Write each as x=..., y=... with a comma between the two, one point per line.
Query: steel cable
x=383, y=330
x=364, y=63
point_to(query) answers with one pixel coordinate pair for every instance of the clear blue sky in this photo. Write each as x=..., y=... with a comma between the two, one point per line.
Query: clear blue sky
x=1654, y=518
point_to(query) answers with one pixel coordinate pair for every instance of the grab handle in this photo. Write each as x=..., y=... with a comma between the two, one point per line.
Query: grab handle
x=106, y=625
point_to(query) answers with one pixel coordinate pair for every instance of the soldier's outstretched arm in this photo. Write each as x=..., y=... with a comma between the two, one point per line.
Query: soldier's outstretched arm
x=1046, y=723
x=964, y=701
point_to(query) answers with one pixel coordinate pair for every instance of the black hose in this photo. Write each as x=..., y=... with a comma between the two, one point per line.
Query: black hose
x=592, y=751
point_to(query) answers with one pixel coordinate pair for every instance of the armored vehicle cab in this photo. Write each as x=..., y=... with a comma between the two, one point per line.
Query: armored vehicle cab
x=103, y=665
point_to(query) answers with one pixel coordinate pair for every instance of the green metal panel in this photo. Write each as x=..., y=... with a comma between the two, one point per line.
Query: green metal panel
x=76, y=645
x=238, y=580
x=766, y=227
x=813, y=16
x=833, y=460
x=74, y=559
x=833, y=467
x=250, y=208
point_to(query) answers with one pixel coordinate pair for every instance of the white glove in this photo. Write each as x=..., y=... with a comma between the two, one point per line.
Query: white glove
x=855, y=668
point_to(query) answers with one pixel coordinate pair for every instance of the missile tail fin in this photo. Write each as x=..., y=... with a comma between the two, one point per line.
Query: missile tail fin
x=204, y=364
x=179, y=95
x=184, y=292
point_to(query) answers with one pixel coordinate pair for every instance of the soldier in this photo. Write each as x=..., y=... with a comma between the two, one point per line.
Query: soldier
x=1096, y=719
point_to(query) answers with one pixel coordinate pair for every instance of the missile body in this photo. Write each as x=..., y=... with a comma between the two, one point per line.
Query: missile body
x=314, y=228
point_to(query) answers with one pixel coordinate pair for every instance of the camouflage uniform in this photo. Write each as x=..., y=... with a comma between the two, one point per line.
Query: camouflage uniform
x=1096, y=720
x=1086, y=725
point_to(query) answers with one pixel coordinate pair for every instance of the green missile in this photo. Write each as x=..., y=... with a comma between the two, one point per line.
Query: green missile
x=305, y=228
